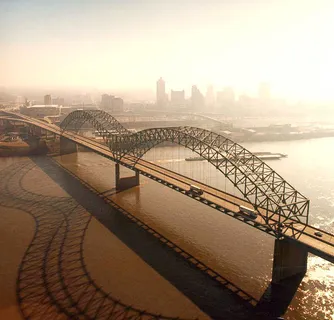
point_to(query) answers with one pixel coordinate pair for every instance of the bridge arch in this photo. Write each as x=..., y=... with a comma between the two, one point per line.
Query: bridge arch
x=102, y=121
x=268, y=192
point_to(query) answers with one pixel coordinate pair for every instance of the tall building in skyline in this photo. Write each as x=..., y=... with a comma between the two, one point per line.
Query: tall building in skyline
x=47, y=100
x=161, y=97
x=111, y=103
x=106, y=101
x=58, y=101
x=118, y=105
x=197, y=99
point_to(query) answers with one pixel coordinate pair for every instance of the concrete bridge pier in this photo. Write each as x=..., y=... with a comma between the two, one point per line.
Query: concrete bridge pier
x=126, y=182
x=289, y=268
x=290, y=259
x=67, y=146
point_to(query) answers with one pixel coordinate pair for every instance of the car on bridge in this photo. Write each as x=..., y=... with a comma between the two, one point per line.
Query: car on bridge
x=195, y=190
x=247, y=212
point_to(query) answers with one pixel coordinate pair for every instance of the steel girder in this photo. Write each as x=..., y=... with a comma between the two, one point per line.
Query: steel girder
x=273, y=197
x=276, y=201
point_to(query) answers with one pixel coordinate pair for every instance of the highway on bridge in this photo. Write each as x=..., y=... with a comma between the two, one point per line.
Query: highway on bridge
x=217, y=199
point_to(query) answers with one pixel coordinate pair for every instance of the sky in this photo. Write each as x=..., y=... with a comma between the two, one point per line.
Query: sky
x=127, y=44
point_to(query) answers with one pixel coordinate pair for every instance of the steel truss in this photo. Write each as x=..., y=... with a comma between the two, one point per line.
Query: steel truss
x=102, y=121
x=275, y=200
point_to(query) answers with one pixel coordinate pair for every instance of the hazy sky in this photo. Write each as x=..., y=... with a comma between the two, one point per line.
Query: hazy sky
x=129, y=44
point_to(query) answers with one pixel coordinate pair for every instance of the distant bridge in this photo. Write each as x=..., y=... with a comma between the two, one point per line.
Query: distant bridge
x=189, y=115
x=154, y=118
x=282, y=210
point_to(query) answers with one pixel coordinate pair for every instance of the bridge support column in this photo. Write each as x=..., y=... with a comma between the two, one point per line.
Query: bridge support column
x=127, y=182
x=67, y=146
x=290, y=259
x=289, y=268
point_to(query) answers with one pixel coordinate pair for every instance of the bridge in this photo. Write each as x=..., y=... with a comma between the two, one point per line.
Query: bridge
x=282, y=211
x=158, y=118
x=198, y=118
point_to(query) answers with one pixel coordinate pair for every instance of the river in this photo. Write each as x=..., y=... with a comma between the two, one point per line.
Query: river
x=241, y=254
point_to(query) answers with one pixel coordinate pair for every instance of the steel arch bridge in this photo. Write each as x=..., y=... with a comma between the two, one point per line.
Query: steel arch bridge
x=102, y=121
x=271, y=196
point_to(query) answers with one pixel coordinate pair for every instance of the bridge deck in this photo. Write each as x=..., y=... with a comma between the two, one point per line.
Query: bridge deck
x=323, y=246
x=220, y=200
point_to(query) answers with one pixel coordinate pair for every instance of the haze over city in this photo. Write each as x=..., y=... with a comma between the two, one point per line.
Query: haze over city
x=166, y=160
x=128, y=45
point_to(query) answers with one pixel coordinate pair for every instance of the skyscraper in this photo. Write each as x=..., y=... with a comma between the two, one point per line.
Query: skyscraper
x=47, y=100
x=111, y=104
x=106, y=101
x=58, y=101
x=161, y=93
x=197, y=99
x=117, y=105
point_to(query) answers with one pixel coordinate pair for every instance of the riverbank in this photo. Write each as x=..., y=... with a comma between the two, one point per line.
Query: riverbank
x=285, y=137
x=22, y=148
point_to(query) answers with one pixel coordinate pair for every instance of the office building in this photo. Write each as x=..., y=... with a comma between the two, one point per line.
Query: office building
x=106, y=101
x=117, y=105
x=161, y=94
x=197, y=99
x=40, y=111
x=111, y=103
x=47, y=100
x=58, y=101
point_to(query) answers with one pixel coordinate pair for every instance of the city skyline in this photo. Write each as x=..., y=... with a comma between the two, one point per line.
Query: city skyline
x=210, y=94
x=125, y=45
x=223, y=99
x=166, y=160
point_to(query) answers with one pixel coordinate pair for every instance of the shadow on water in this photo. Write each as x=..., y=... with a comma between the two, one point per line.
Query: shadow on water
x=211, y=297
x=277, y=297
x=53, y=281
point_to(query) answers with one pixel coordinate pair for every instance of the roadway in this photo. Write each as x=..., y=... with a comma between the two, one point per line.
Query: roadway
x=217, y=199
